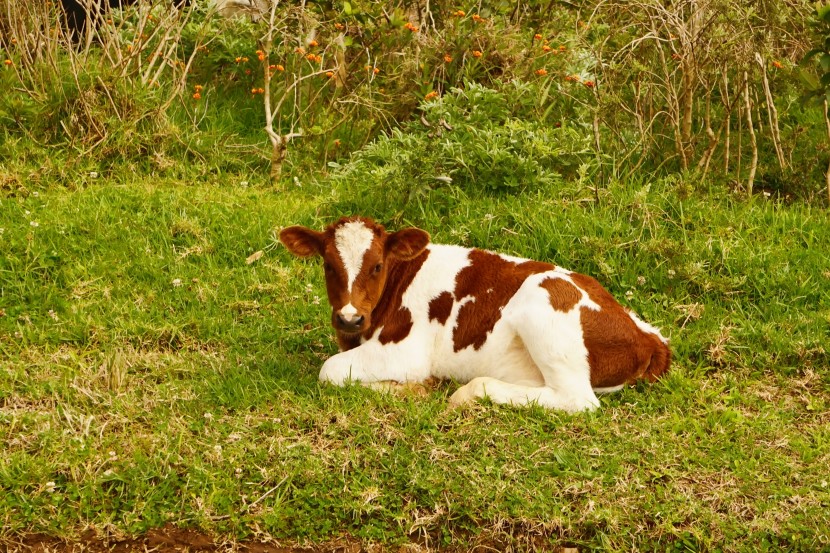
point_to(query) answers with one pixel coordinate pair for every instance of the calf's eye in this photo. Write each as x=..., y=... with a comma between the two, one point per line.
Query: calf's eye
x=378, y=267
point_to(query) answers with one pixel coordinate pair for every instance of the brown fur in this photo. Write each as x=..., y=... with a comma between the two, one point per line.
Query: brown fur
x=491, y=280
x=618, y=351
x=440, y=308
x=563, y=295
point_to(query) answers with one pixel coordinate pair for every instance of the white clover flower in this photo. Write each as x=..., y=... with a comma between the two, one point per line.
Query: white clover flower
x=93, y=174
x=34, y=224
x=629, y=294
x=641, y=280
x=176, y=282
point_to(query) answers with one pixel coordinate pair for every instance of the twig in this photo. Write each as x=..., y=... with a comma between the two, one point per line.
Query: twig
x=754, y=165
x=266, y=494
x=827, y=124
x=772, y=113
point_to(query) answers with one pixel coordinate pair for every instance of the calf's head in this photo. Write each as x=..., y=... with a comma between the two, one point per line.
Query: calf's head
x=357, y=256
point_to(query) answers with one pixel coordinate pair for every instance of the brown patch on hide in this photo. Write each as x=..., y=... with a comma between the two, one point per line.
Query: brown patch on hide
x=488, y=283
x=440, y=308
x=619, y=352
x=562, y=294
x=394, y=318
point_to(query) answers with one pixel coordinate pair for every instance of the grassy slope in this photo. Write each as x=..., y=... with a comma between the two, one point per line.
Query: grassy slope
x=127, y=401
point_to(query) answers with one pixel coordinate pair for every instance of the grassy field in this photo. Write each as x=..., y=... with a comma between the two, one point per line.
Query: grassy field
x=156, y=369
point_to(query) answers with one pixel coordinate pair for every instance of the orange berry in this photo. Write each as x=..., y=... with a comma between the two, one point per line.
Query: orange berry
x=313, y=43
x=537, y=36
x=431, y=95
x=777, y=64
x=447, y=58
x=375, y=70
x=546, y=48
x=329, y=74
x=589, y=84
x=339, y=26
x=197, y=96
x=300, y=50
x=477, y=53
x=459, y=13
x=541, y=72
x=8, y=62
x=278, y=67
x=238, y=59
x=198, y=88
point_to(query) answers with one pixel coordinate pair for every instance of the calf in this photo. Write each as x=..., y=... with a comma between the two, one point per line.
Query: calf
x=514, y=330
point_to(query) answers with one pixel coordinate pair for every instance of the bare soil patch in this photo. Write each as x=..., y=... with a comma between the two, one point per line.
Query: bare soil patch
x=171, y=539
x=167, y=539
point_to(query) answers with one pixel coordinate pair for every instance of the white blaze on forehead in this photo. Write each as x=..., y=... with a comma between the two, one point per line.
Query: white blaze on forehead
x=352, y=240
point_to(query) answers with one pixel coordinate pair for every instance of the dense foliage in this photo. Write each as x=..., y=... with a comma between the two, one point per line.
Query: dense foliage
x=702, y=88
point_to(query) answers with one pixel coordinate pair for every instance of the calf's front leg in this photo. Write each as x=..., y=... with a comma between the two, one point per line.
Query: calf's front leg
x=373, y=363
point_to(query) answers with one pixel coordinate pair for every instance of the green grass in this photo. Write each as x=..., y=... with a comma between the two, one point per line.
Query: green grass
x=151, y=375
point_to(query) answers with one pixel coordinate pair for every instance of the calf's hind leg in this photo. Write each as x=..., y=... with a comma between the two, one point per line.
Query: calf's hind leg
x=515, y=394
x=555, y=343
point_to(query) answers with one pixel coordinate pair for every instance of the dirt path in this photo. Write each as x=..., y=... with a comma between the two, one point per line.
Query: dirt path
x=167, y=539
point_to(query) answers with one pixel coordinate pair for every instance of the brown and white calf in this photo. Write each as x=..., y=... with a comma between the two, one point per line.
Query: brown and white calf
x=514, y=330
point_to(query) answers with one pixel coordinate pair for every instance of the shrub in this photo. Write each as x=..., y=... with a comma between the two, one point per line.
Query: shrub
x=472, y=141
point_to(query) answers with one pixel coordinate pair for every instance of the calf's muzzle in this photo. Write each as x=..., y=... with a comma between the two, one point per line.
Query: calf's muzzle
x=349, y=323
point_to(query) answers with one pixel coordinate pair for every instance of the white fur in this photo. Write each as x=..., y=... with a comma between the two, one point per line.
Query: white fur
x=352, y=240
x=534, y=354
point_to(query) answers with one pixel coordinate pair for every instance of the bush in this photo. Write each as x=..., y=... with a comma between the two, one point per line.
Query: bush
x=473, y=141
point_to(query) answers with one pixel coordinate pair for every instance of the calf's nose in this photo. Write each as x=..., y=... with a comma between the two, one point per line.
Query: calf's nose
x=350, y=319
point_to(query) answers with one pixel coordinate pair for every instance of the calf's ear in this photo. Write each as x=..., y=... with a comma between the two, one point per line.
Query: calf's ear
x=302, y=241
x=407, y=243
